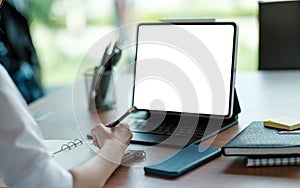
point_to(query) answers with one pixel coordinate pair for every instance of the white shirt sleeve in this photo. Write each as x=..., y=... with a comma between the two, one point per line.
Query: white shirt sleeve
x=24, y=160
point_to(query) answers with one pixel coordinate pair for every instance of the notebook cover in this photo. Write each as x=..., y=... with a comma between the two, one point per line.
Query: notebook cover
x=256, y=139
x=183, y=161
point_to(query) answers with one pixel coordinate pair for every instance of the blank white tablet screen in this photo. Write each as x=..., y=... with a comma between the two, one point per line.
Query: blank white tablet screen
x=185, y=68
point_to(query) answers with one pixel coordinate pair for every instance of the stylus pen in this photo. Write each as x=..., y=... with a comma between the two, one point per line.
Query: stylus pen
x=115, y=123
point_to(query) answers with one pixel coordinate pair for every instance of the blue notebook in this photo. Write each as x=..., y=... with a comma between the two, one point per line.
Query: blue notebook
x=183, y=161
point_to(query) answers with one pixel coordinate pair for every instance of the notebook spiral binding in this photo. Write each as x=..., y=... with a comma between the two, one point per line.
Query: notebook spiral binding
x=129, y=156
x=273, y=161
x=69, y=146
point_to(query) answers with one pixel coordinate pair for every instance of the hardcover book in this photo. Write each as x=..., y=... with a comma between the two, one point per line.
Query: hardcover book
x=258, y=140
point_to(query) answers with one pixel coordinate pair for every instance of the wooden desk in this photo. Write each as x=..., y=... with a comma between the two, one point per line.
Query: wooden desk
x=262, y=95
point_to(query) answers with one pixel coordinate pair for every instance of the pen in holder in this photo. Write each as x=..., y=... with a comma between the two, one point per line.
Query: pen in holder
x=105, y=93
x=99, y=81
x=100, y=89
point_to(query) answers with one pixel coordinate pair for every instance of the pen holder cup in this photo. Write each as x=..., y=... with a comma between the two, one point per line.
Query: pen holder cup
x=99, y=90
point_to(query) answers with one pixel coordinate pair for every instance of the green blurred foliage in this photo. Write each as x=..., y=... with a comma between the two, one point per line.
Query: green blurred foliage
x=40, y=11
x=54, y=34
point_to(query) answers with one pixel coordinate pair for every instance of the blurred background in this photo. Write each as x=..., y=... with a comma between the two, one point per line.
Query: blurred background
x=64, y=30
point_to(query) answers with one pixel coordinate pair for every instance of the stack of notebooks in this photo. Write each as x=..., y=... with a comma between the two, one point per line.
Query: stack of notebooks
x=264, y=146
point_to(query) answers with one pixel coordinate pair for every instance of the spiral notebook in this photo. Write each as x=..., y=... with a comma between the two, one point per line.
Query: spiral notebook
x=273, y=161
x=71, y=153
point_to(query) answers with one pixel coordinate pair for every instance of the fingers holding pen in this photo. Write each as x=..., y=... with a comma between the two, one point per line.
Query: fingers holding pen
x=121, y=133
x=99, y=135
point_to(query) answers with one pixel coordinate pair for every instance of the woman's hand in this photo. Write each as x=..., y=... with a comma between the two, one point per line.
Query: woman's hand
x=102, y=134
x=96, y=171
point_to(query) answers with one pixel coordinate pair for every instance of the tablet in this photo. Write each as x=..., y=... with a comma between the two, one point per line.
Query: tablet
x=185, y=68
